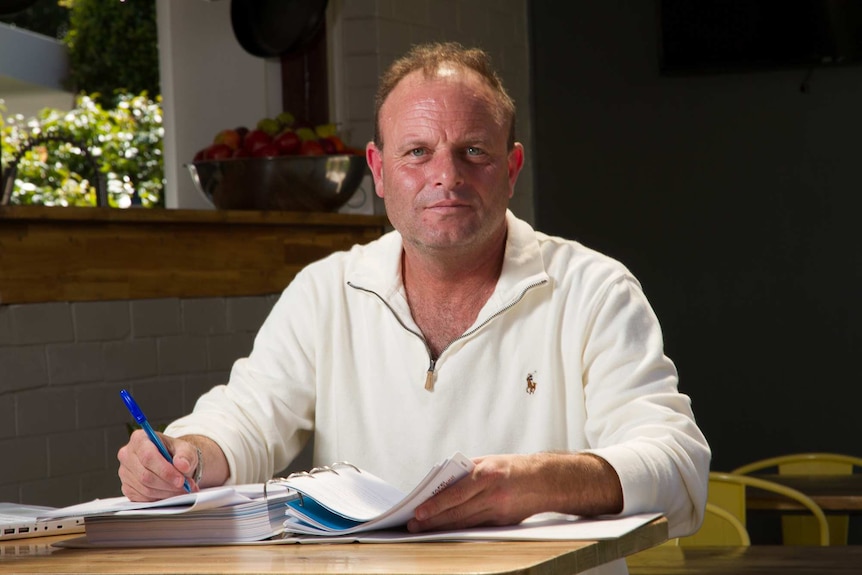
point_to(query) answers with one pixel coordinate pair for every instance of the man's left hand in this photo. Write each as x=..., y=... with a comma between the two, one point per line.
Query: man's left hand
x=506, y=489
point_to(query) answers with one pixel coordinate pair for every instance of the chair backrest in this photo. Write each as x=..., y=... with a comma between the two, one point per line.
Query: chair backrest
x=814, y=463
x=799, y=530
x=720, y=527
x=727, y=491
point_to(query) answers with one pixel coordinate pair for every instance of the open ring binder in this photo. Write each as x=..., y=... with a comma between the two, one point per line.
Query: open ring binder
x=331, y=468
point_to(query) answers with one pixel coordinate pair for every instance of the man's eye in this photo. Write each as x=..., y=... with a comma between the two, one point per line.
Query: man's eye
x=474, y=151
x=417, y=152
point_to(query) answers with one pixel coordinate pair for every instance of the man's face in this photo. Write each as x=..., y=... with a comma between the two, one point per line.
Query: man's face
x=444, y=171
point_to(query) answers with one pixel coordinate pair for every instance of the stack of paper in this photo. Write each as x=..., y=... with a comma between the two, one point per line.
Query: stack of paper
x=253, y=520
x=212, y=516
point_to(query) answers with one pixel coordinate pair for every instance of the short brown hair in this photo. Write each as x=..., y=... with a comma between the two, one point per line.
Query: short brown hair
x=428, y=58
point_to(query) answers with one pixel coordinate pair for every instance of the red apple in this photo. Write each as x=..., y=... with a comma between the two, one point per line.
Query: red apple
x=256, y=139
x=217, y=152
x=287, y=142
x=311, y=148
x=230, y=138
x=269, y=150
x=340, y=147
x=327, y=145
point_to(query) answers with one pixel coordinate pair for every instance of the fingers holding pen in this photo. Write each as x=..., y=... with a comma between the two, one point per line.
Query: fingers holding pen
x=146, y=475
x=186, y=457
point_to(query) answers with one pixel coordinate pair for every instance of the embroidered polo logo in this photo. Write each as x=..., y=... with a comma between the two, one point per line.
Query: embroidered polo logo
x=531, y=384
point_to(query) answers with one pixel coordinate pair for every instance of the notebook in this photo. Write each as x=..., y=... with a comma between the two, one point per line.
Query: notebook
x=341, y=499
x=18, y=521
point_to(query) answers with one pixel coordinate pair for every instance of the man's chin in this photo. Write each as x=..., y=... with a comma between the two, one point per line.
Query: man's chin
x=447, y=241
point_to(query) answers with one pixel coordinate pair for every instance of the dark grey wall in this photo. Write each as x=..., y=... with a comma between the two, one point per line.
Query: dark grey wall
x=734, y=199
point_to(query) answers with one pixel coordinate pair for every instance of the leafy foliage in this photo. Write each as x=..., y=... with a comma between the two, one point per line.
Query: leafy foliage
x=111, y=133
x=61, y=154
x=113, y=48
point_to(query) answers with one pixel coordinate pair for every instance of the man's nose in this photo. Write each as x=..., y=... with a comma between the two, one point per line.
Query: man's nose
x=446, y=169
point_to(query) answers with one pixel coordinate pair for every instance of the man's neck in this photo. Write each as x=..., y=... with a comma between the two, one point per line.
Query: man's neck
x=446, y=294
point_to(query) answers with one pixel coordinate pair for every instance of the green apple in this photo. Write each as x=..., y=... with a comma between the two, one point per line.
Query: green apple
x=269, y=125
x=306, y=134
x=285, y=120
x=325, y=130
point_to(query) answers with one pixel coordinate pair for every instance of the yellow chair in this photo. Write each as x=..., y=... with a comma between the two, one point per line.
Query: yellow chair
x=727, y=492
x=800, y=530
x=729, y=530
x=733, y=532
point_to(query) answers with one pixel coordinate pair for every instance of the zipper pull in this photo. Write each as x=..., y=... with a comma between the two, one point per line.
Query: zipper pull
x=429, y=376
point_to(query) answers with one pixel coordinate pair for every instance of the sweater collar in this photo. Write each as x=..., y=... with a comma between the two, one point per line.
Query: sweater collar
x=379, y=266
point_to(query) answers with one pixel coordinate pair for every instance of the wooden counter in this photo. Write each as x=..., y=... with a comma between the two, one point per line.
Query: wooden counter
x=79, y=254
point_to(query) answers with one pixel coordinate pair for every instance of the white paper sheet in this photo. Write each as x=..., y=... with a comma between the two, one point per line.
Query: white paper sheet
x=209, y=498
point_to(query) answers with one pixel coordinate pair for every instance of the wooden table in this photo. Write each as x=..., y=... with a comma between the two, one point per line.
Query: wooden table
x=833, y=493
x=754, y=560
x=37, y=555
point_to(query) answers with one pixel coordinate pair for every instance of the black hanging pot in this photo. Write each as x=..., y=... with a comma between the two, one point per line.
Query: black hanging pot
x=273, y=28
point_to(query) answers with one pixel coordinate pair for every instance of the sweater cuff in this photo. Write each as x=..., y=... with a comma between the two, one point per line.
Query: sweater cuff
x=638, y=488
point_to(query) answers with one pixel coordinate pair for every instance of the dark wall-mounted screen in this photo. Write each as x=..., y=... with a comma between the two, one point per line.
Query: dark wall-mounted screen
x=701, y=36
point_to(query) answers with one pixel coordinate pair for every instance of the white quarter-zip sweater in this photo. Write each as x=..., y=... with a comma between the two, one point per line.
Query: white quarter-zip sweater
x=567, y=354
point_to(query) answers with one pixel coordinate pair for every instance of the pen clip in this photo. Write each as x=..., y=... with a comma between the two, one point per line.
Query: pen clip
x=133, y=407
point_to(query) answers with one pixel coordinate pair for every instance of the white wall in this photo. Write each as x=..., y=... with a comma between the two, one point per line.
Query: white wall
x=32, y=68
x=209, y=83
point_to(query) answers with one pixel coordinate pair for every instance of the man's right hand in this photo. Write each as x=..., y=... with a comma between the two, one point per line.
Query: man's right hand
x=147, y=476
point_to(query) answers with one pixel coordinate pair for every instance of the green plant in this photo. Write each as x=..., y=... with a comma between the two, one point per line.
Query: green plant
x=113, y=48
x=124, y=143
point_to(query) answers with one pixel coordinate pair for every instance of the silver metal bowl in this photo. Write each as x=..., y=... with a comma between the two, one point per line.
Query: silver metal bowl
x=290, y=183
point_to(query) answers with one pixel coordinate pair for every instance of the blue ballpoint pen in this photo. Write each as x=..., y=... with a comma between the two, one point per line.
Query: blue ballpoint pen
x=141, y=420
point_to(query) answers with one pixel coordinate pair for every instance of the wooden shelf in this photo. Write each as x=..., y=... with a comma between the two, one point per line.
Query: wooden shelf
x=50, y=254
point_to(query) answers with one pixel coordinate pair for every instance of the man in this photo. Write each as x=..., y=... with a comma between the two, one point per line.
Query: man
x=462, y=330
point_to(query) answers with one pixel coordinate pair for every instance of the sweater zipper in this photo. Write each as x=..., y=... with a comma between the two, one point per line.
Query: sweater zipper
x=429, y=375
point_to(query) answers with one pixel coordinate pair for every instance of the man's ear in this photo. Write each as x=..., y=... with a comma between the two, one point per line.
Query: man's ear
x=374, y=157
x=515, y=163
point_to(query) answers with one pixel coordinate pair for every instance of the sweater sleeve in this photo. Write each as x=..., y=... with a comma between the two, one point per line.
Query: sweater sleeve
x=637, y=419
x=263, y=417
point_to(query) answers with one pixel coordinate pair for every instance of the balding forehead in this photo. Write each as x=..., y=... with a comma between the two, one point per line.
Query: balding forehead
x=499, y=105
x=455, y=74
